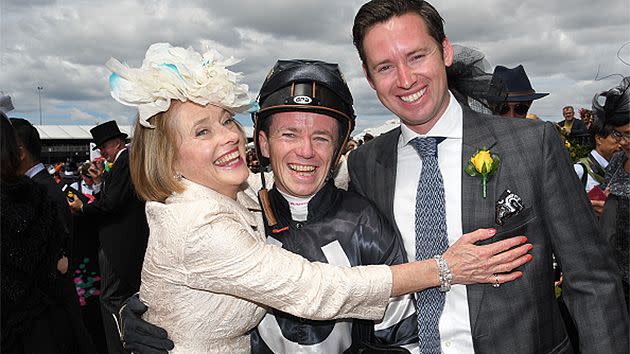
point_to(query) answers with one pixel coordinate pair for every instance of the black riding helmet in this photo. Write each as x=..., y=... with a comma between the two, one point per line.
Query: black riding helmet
x=304, y=85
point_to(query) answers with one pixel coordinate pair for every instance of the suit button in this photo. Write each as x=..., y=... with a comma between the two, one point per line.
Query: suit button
x=298, y=225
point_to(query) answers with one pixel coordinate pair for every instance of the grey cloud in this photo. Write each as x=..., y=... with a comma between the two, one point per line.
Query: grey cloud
x=63, y=46
x=329, y=20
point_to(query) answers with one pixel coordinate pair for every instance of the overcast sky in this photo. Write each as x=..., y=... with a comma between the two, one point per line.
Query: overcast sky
x=62, y=46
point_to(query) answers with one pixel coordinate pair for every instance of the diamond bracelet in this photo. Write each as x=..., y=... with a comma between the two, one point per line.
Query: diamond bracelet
x=445, y=274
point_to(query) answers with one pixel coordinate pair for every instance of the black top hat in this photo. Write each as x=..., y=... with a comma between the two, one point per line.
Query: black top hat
x=511, y=85
x=106, y=131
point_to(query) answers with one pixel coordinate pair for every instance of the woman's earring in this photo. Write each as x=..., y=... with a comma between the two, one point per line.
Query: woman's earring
x=178, y=176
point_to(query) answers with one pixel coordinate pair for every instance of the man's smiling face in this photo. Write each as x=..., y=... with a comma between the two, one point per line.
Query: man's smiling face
x=300, y=146
x=407, y=68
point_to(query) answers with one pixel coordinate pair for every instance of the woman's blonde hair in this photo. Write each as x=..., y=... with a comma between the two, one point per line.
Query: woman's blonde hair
x=152, y=158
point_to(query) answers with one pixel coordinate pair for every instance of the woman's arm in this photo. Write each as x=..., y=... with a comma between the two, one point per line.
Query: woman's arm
x=225, y=258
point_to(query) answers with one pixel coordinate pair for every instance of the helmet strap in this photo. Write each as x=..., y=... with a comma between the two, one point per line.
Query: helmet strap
x=263, y=198
x=338, y=153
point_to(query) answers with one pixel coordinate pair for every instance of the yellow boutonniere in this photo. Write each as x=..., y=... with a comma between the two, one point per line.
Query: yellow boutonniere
x=484, y=163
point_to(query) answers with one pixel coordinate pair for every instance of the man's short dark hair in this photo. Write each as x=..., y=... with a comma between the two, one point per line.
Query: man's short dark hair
x=8, y=151
x=566, y=107
x=599, y=128
x=378, y=11
x=28, y=136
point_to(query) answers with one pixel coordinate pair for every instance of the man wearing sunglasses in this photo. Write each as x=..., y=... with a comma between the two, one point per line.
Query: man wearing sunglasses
x=510, y=93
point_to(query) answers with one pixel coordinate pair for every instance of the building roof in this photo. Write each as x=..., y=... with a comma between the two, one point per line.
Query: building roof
x=82, y=132
x=381, y=129
x=72, y=132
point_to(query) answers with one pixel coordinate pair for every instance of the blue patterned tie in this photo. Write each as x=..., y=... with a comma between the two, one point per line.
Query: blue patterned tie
x=431, y=239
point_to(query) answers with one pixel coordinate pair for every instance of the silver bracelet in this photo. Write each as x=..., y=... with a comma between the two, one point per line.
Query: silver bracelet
x=445, y=274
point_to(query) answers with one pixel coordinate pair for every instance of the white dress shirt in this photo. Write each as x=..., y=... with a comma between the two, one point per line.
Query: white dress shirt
x=455, y=333
x=118, y=154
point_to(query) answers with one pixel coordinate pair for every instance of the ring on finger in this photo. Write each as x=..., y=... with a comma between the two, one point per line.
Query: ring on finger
x=496, y=281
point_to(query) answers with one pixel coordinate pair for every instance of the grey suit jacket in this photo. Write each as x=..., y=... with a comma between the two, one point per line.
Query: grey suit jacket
x=523, y=316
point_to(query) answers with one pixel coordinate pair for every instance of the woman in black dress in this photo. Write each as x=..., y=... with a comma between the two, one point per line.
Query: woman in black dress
x=32, y=320
x=615, y=219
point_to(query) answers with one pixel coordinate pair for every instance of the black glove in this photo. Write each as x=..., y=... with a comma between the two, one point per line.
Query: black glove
x=138, y=335
x=367, y=348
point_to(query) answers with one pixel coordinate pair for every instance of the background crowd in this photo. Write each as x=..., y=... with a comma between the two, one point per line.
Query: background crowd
x=63, y=277
x=597, y=144
x=592, y=141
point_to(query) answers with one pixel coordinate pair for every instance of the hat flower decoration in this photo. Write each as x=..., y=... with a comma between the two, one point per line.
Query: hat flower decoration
x=174, y=73
x=484, y=163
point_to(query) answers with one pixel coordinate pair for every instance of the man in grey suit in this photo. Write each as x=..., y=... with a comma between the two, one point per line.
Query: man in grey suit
x=534, y=192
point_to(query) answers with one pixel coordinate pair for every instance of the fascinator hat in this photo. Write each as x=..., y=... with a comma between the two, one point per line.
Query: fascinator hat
x=174, y=73
x=612, y=107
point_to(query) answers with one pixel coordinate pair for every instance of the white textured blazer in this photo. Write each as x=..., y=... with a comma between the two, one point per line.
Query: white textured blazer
x=208, y=274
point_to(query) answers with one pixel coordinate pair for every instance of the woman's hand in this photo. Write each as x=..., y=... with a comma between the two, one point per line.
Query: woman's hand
x=598, y=207
x=62, y=265
x=471, y=264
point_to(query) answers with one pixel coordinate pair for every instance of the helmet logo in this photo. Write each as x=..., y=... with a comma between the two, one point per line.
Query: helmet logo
x=302, y=100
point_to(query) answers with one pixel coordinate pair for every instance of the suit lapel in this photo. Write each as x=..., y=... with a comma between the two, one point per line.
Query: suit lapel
x=476, y=211
x=386, y=161
x=475, y=208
